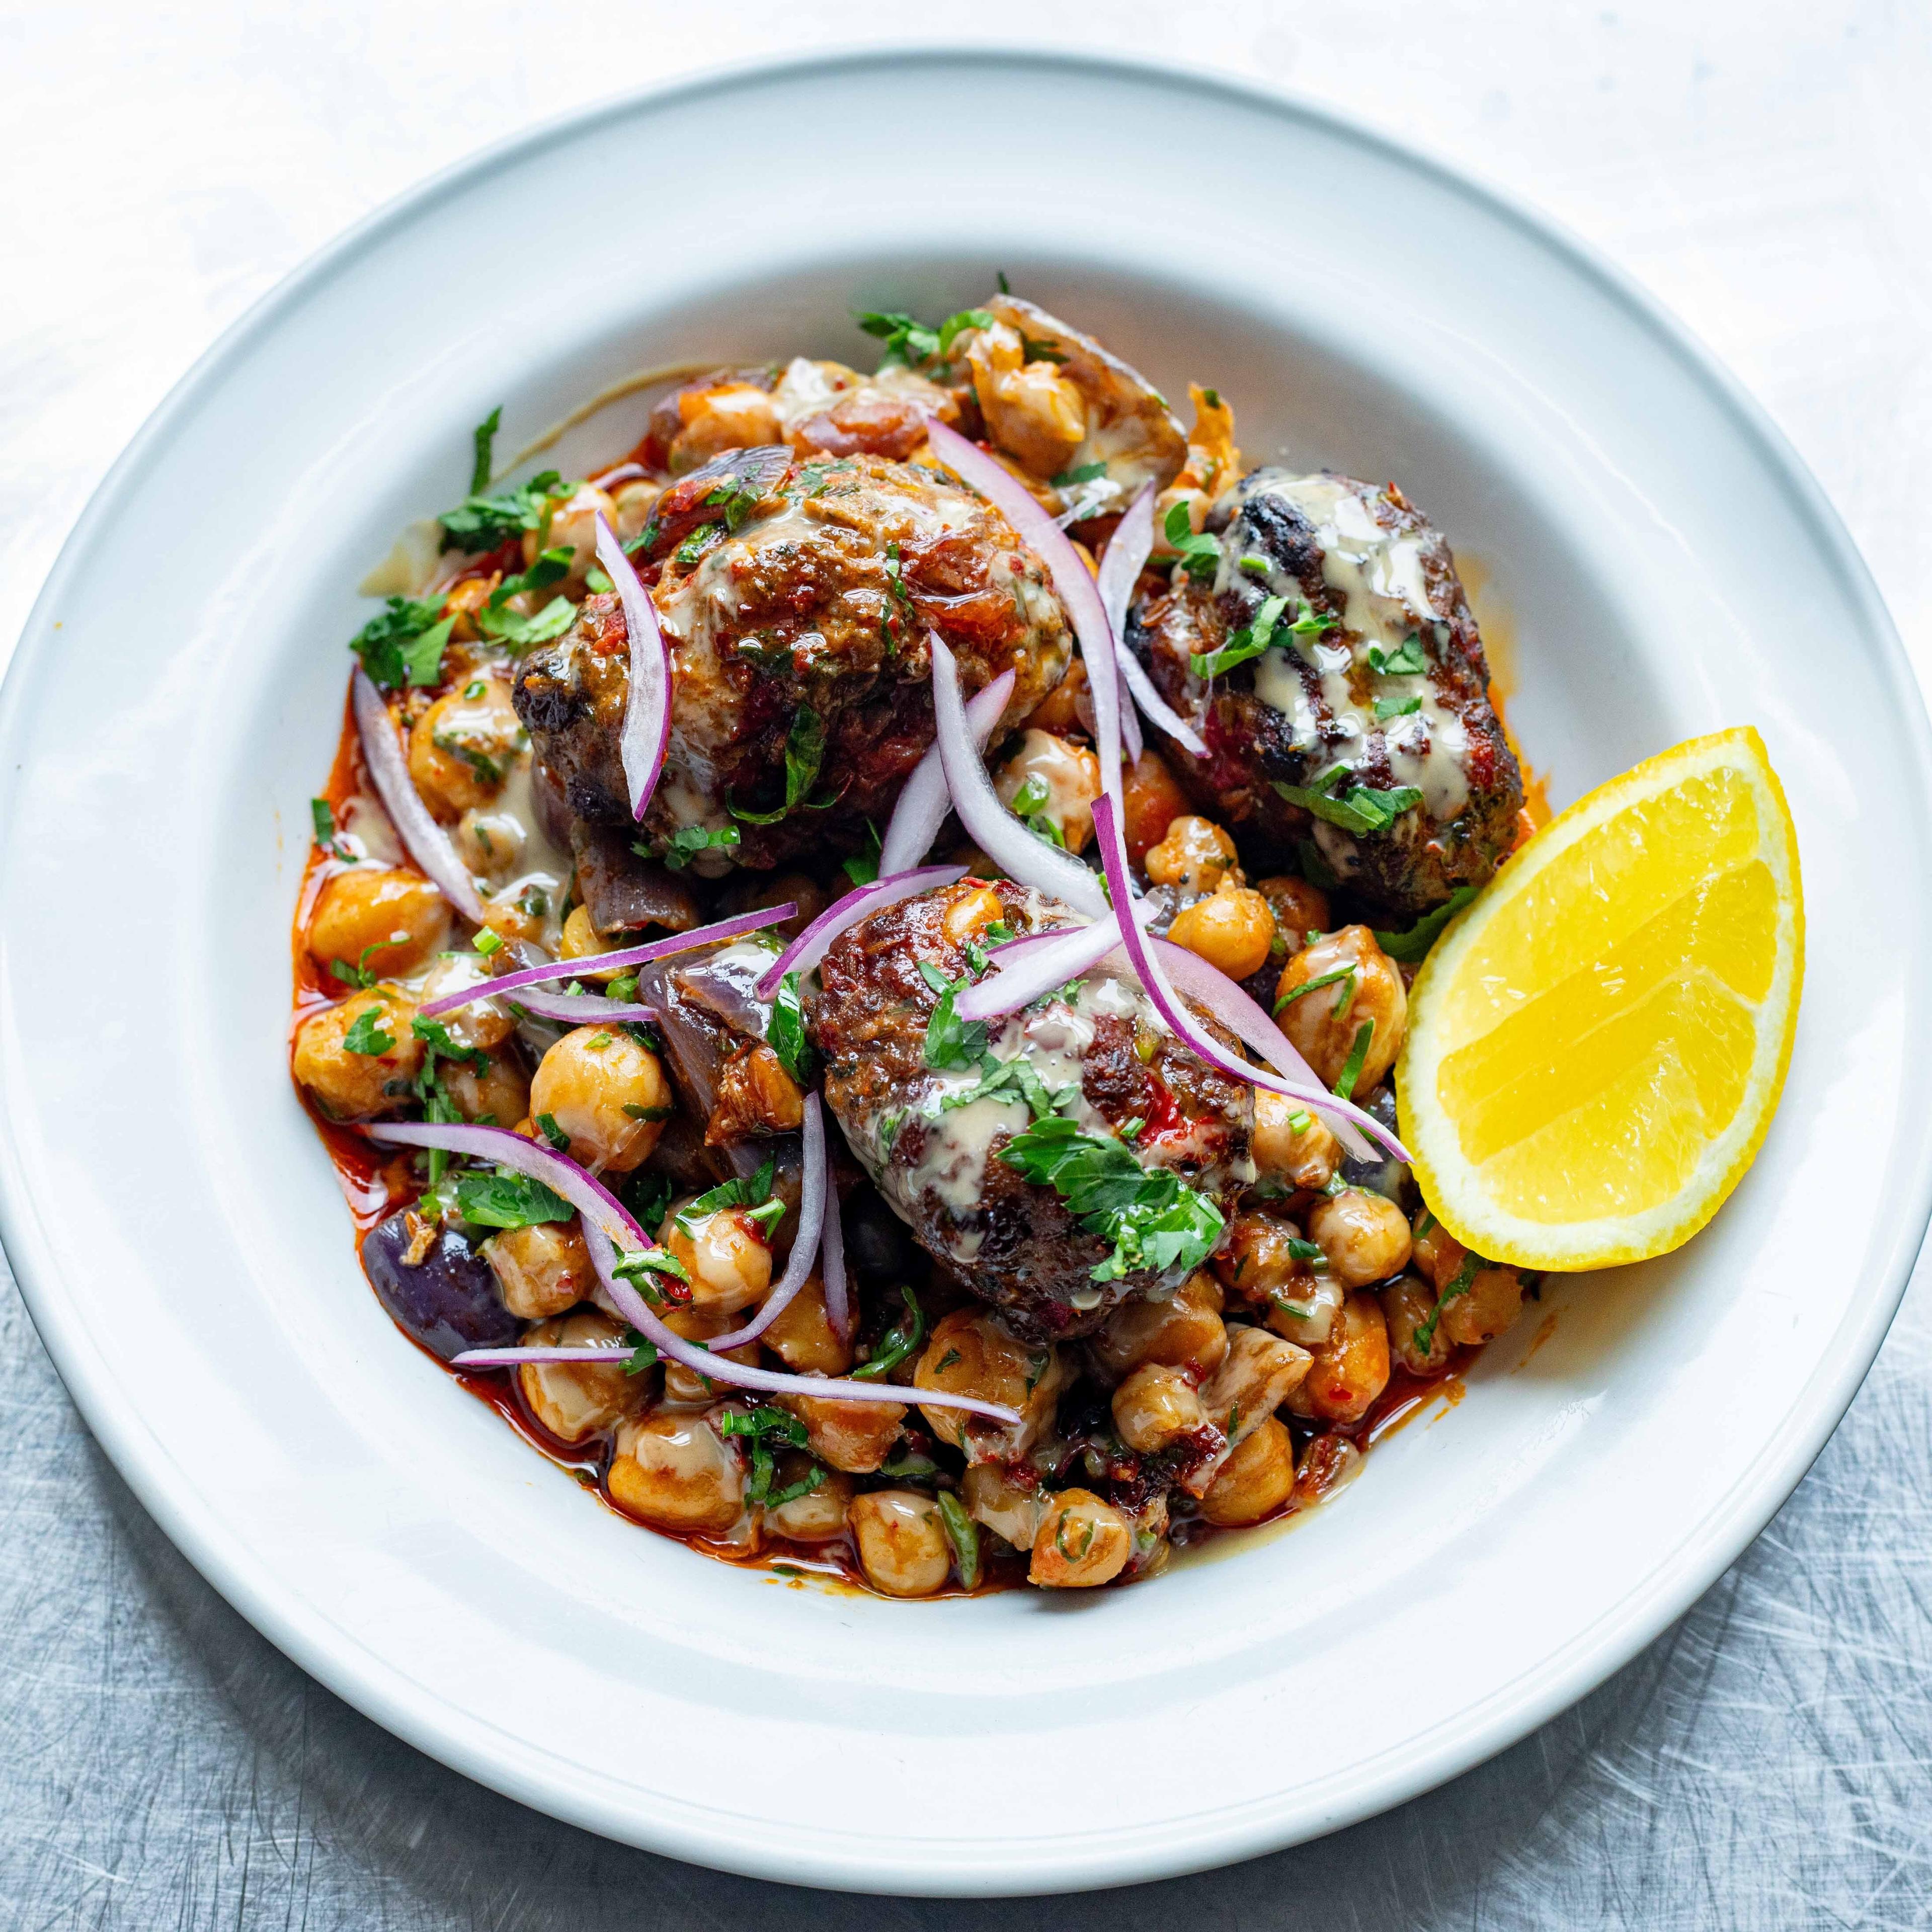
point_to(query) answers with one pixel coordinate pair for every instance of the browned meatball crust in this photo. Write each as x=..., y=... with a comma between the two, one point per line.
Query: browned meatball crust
x=1319, y=705
x=1008, y=1241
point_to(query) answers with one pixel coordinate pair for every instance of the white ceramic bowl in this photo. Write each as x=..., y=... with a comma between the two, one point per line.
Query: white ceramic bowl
x=1666, y=567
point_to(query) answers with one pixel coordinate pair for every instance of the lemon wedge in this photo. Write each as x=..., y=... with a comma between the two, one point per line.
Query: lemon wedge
x=1596, y=1045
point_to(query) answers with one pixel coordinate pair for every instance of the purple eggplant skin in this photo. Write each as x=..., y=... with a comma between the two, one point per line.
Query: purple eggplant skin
x=449, y=1301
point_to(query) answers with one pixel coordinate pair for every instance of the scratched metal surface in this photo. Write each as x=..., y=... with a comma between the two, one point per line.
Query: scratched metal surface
x=1766, y=166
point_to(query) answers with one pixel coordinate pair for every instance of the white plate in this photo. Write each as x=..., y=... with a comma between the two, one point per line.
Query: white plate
x=1667, y=568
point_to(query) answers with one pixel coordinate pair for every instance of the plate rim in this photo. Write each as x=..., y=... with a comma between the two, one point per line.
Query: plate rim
x=455, y=1736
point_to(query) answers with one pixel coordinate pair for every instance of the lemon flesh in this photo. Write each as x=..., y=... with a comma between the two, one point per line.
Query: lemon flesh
x=1596, y=1046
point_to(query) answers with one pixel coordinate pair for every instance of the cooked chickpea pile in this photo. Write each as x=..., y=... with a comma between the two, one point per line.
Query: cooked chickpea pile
x=1243, y=1393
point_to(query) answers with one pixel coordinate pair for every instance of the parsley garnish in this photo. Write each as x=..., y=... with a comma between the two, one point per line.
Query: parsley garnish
x=1200, y=556
x=647, y=1195
x=805, y=753
x=643, y=1355
x=736, y=499
x=551, y=1132
x=1308, y=1252
x=760, y=1427
x=684, y=845
x=326, y=838
x=481, y=523
x=1361, y=809
x=496, y=620
x=862, y=868
x=404, y=644
x=906, y=1336
x=1248, y=642
x=909, y=341
x=1386, y=708
x=1153, y=1219
x=786, y=1035
x=483, y=440
x=1352, y=1071
x=1466, y=1277
x=505, y=1199
x=365, y=1034
x=437, y=1037
x=950, y=1042
x=1071, y=479
x=1404, y=661
x=963, y=1533
x=1341, y=1000
x=1029, y=803
x=700, y=541
x=754, y=1194
x=1414, y=945
x=638, y=1266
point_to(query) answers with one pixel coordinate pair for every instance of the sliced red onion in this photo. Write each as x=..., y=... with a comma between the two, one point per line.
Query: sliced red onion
x=838, y=1309
x=518, y=1358
x=646, y=729
x=1343, y=1114
x=620, y=961
x=1051, y=960
x=815, y=941
x=1071, y=578
x=925, y=801
x=1127, y=553
x=625, y=472
x=812, y=1191
x=607, y=1224
x=425, y=840
x=584, y=1009
x=1021, y=855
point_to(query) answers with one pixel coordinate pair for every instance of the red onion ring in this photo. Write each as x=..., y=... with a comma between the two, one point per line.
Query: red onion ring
x=1071, y=578
x=584, y=1009
x=925, y=802
x=811, y=1231
x=624, y=958
x=625, y=472
x=646, y=729
x=602, y=1212
x=838, y=1309
x=1021, y=855
x=815, y=941
x=1052, y=959
x=425, y=840
x=1190, y=1031
x=1127, y=554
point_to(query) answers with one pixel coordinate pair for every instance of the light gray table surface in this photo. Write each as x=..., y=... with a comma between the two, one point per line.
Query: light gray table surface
x=1767, y=168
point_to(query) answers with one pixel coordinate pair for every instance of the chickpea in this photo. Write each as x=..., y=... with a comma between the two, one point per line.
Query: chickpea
x=1068, y=706
x=729, y=1263
x=1350, y=1369
x=576, y=1400
x=1299, y=908
x=733, y=415
x=542, y=1270
x=1322, y=1025
x=574, y=522
x=819, y=1514
x=389, y=921
x=1257, y=1260
x=1081, y=1541
x=972, y=909
x=1194, y=855
x=349, y=1085
x=902, y=1545
x=1152, y=800
x=1031, y=411
x=970, y=1353
x=1156, y=1406
x=1008, y=1507
x=1047, y=779
x=606, y=1090
x=634, y=501
x=1255, y=1481
x=855, y=1436
x=1262, y=1372
x=1292, y=1140
x=699, y=1325
x=802, y=1336
x=580, y=939
x=1328, y=1463
x=1232, y=927
x=1363, y=1237
x=1183, y=1332
x=490, y=844
x=464, y=600
x=1438, y=1255
x=1407, y=1305
x=1491, y=1304
x=1308, y=1317
x=497, y=1094
x=483, y=1023
x=463, y=746
x=677, y=1473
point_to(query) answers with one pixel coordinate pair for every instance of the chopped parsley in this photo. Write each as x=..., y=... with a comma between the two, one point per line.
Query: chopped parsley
x=547, y=1125
x=365, y=1034
x=805, y=753
x=1029, y=805
x=403, y=645
x=656, y=1274
x=1071, y=479
x=506, y=1199
x=862, y=868
x=736, y=499
x=700, y=541
x=483, y=441
x=1307, y=1251
x=963, y=1533
x=1465, y=1278
x=497, y=621
x=480, y=522
x=647, y=1196
x=643, y=1355
x=950, y=1042
x=1359, y=1052
x=1362, y=808
x=1341, y=1000
x=752, y=1193
x=1153, y=1219
x=1414, y=945
x=1015, y=1079
x=1200, y=556
x=906, y=1337
x=909, y=341
x=1386, y=708
x=684, y=845
x=1405, y=661
x=785, y=1034
x=760, y=1427
x=437, y=1038
x=326, y=838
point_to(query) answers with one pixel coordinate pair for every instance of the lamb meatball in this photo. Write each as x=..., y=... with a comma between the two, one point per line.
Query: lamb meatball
x=1383, y=685
x=901, y=1090
x=796, y=595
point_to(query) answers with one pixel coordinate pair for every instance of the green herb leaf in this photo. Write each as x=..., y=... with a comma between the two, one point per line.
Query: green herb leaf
x=1413, y=946
x=365, y=1034
x=862, y=868
x=963, y=1533
x=684, y=845
x=1294, y=993
x=1386, y=708
x=741, y=1191
x=1071, y=479
x=950, y=1042
x=404, y=644
x=436, y=1036
x=1405, y=661
x=1200, y=556
x=805, y=753
x=1154, y=1219
x=786, y=1035
x=547, y=1125
x=1351, y=1070
x=905, y=1337
x=325, y=835
x=504, y=1199
x=1249, y=642
x=1466, y=1277
x=483, y=440
x=481, y=523
x=1362, y=808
